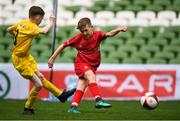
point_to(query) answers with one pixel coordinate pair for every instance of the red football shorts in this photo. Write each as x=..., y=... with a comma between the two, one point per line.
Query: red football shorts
x=81, y=68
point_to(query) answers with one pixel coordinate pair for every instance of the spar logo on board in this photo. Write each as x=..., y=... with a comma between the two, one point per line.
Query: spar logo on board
x=127, y=84
x=156, y=83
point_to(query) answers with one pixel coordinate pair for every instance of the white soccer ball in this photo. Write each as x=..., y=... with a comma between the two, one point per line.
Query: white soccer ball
x=149, y=100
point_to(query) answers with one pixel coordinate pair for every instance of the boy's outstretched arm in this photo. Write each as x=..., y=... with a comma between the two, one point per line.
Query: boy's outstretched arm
x=46, y=28
x=116, y=31
x=55, y=54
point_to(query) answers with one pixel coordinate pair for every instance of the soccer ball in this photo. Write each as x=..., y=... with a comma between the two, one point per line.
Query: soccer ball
x=149, y=100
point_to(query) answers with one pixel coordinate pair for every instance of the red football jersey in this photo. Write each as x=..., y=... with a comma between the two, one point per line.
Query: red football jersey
x=88, y=49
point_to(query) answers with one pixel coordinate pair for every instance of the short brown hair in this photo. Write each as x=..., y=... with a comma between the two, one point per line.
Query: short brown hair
x=36, y=10
x=83, y=22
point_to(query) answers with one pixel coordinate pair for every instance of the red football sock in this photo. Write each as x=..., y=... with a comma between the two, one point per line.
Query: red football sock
x=77, y=97
x=94, y=90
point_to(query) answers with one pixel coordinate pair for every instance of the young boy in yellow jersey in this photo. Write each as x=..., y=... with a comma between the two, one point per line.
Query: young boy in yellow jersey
x=23, y=61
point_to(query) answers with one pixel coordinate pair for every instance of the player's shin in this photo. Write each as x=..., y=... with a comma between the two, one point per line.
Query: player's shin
x=95, y=91
x=32, y=97
x=77, y=97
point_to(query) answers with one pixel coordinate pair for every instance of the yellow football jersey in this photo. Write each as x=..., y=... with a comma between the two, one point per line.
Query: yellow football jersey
x=24, y=31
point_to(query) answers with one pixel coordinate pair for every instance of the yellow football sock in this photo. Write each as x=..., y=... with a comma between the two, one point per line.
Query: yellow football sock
x=49, y=86
x=32, y=97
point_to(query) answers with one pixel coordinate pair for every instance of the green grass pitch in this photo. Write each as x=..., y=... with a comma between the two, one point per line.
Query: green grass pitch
x=121, y=110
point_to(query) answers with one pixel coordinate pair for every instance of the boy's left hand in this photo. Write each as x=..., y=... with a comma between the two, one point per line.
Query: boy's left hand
x=52, y=18
x=124, y=28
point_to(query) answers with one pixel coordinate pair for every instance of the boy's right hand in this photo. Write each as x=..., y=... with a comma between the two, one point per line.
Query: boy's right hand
x=50, y=62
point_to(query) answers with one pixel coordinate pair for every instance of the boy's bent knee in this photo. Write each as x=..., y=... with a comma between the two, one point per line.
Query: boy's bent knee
x=40, y=75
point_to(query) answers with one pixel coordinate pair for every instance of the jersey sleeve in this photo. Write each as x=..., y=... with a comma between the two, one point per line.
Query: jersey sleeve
x=72, y=41
x=102, y=35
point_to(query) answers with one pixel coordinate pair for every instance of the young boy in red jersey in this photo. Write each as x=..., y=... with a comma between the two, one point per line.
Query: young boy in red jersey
x=87, y=61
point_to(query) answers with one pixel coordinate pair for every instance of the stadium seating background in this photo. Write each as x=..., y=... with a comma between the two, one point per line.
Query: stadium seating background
x=153, y=36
